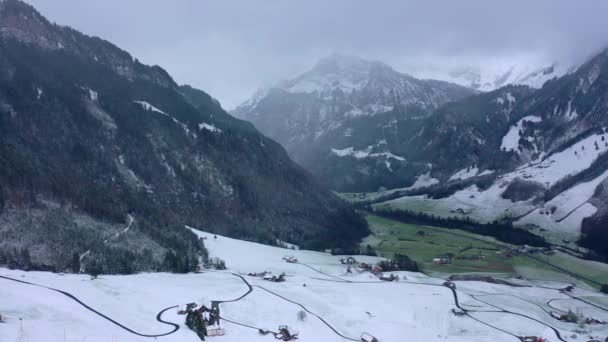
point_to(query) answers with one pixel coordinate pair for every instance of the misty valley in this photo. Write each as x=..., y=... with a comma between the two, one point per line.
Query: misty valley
x=349, y=201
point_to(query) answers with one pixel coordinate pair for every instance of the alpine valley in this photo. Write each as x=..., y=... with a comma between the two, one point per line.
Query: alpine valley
x=533, y=157
x=353, y=202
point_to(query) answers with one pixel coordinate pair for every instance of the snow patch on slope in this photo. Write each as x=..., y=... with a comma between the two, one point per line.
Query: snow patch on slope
x=361, y=154
x=465, y=173
x=208, y=127
x=147, y=106
x=572, y=160
x=93, y=95
x=510, y=142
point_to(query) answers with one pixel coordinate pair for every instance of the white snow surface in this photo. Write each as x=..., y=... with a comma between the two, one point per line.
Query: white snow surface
x=208, y=127
x=388, y=311
x=510, y=142
x=93, y=95
x=556, y=166
x=571, y=207
x=147, y=106
x=465, y=173
x=491, y=77
x=361, y=154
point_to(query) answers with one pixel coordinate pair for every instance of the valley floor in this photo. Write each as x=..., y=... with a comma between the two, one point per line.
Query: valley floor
x=339, y=307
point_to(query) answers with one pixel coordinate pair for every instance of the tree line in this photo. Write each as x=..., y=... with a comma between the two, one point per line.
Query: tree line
x=502, y=231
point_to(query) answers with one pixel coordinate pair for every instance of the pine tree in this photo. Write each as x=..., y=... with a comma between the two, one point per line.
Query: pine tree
x=75, y=265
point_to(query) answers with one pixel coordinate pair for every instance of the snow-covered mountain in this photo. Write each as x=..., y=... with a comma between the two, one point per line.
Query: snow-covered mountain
x=345, y=102
x=485, y=80
x=535, y=157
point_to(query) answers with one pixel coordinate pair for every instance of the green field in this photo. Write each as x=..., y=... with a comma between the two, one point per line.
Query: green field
x=424, y=243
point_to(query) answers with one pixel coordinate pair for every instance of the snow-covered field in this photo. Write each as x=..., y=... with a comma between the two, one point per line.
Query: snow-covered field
x=413, y=309
x=479, y=205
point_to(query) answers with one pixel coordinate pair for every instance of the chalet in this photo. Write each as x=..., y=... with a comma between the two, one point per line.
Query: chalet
x=364, y=266
x=441, y=261
x=458, y=312
x=532, y=339
x=391, y=278
x=290, y=259
x=348, y=261
x=365, y=337
x=274, y=278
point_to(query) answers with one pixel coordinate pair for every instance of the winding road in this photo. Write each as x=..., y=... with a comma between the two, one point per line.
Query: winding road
x=331, y=278
x=457, y=304
x=74, y=298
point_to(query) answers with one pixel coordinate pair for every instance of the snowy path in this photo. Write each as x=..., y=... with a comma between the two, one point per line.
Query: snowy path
x=456, y=303
x=126, y=229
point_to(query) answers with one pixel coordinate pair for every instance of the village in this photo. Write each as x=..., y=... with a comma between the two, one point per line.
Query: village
x=383, y=270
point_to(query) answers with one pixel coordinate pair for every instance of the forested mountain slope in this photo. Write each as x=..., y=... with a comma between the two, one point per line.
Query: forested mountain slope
x=89, y=135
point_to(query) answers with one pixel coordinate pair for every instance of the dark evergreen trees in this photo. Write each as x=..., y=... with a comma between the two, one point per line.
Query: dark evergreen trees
x=75, y=264
x=194, y=321
x=400, y=262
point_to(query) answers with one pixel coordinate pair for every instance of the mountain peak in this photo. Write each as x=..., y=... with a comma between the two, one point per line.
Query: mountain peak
x=336, y=63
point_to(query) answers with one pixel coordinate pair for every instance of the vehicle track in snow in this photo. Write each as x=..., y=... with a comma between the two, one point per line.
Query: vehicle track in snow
x=250, y=289
x=557, y=333
x=310, y=312
x=457, y=304
x=86, y=306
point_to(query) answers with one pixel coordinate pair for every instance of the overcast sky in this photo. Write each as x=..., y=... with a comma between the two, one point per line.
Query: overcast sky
x=230, y=48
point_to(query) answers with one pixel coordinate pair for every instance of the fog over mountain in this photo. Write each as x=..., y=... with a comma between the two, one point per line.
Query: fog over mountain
x=231, y=48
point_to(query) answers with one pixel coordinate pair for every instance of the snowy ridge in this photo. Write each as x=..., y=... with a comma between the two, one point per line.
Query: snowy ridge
x=491, y=79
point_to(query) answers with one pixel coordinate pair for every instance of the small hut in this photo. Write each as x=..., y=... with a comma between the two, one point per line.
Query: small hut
x=365, y=337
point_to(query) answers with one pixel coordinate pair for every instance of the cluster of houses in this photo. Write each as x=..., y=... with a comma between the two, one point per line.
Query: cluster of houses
x=442, y=260
x=210, y=317
x=533, y=339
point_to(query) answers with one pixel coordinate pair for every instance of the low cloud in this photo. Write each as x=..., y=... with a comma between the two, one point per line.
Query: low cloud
x=229, y=48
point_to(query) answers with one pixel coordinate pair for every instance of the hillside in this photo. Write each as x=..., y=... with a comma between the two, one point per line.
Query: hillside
x=534, y=157
x=105, y=159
